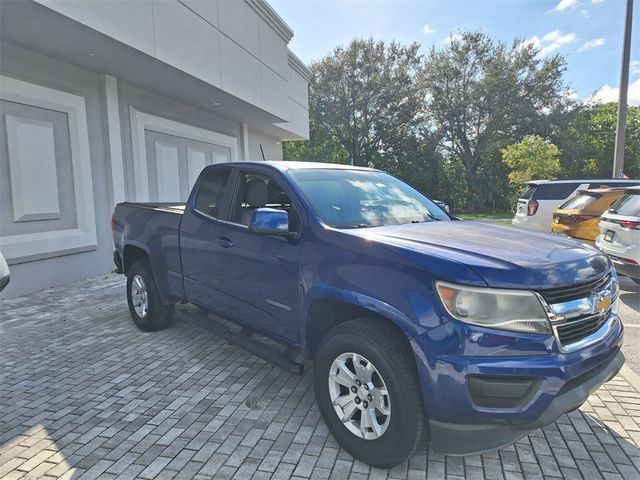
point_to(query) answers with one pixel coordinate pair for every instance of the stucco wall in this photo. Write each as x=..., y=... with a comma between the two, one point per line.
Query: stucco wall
x=149, y=102
x=38, y=69
x=32, y=67
x=226, y=43
x=271, y=146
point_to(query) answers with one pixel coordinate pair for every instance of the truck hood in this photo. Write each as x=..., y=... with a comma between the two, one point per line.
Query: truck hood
x=503, y=256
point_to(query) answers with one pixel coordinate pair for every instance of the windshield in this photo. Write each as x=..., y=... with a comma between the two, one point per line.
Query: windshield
x=361, y=198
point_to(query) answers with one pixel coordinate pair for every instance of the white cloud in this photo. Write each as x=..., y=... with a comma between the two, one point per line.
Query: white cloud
x=551, y=41
x=533, y=41
x=452, y=37
x=635, y=67
x=596, y=1
x=595, y=43
x=608, y=94
x=428, y=30
x=565, y=5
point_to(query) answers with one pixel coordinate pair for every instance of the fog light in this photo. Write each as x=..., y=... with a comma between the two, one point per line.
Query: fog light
x=501, y=392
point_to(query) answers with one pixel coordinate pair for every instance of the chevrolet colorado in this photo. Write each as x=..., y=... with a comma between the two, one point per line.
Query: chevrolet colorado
x=422, y=327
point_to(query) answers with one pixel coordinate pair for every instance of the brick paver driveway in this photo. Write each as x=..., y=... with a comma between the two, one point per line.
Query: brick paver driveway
x=85, y=394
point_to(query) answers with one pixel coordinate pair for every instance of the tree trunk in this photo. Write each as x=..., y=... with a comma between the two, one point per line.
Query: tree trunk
x=474, y=194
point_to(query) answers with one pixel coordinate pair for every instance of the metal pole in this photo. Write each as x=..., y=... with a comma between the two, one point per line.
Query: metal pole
x=618, y=156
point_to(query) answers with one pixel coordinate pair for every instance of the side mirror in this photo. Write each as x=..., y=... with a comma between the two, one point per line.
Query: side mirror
x=270, y=221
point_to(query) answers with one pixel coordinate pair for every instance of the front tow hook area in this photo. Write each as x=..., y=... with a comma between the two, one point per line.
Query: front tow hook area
x=473, y=439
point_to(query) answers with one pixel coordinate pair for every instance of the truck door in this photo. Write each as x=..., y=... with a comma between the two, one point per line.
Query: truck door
x=199, y=234
x=261, y=272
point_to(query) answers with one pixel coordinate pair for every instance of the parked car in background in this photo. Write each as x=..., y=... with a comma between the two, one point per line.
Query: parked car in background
x=620, y=234
x=442, y=205
x=4, y=272
x=541, y=197
x=421, y=327
x=579, y=216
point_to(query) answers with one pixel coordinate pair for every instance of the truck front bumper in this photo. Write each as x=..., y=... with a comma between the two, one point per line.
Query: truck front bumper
x=476, y=404
x=466, y=439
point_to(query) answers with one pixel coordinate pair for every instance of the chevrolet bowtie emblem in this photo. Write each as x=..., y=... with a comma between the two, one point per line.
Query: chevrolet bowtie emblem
x=603, y=303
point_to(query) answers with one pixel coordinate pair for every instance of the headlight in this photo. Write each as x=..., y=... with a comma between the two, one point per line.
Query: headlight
x=515, y=310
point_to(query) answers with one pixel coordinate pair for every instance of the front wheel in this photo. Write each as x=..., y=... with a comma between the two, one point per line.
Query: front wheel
x=367, y=392
x=145, y=305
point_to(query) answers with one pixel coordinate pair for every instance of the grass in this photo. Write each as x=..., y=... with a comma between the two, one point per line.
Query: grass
x=499, y=218
x=486, y=216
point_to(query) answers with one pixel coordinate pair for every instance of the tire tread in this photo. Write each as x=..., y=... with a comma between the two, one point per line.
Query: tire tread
x=159, y=316
x=391, y=341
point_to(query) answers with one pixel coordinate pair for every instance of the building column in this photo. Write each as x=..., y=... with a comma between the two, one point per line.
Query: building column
x=117, y=192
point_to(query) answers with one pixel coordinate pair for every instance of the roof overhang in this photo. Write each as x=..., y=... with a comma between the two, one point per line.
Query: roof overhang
x=35, y=27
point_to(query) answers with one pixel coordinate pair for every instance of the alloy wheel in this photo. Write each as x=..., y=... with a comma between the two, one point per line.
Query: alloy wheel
x=359, y=396
x=139, y=296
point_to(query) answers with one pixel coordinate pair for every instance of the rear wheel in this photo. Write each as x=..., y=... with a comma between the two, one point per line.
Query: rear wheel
x=367, y=391
x=145, y=306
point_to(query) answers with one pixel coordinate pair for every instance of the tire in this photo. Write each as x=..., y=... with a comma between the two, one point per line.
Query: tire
x=155, y=316
x=381, y=348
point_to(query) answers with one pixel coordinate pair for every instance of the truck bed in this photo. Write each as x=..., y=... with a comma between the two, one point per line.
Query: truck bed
x=155, y=227
x=174, y=207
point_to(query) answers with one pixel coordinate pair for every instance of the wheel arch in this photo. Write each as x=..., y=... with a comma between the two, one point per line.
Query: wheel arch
x=133, y=252
x=326, y=312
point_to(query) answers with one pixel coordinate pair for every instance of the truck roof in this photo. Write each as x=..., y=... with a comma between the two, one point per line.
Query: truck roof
x=290, y=165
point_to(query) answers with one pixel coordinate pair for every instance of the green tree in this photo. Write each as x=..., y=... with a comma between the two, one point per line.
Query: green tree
x=587, y=142
x=482, y=93
x=531, y=158
x=365, y=98
x=318, y=148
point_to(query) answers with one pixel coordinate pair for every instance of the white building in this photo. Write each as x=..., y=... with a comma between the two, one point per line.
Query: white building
x=109, y=100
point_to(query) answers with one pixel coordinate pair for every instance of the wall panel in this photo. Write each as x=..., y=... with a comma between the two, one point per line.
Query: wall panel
x=32, y=167
x=33, y=163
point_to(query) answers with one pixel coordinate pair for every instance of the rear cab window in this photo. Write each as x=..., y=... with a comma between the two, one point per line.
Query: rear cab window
x=210, y=195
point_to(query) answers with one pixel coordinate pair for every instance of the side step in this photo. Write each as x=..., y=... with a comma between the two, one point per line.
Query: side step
x=244, y=339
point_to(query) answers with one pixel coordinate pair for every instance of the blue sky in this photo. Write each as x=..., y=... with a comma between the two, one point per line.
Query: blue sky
x=588, y=32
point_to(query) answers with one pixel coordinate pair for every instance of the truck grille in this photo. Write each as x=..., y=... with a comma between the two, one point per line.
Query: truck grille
x=581, y=309
x=580, y=328
x=574, y=292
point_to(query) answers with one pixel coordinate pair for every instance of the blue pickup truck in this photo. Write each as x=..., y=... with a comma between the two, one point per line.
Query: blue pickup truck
x=423, y=328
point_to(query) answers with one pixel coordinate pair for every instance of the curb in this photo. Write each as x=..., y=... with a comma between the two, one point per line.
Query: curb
x=631, y=377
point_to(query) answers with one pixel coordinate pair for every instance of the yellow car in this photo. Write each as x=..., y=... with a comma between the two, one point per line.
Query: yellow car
x=579, y=216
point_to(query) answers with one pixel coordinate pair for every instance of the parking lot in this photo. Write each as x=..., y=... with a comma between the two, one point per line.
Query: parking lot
x=86, y=395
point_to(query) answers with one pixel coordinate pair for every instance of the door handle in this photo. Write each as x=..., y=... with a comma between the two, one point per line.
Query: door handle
x=224, y=242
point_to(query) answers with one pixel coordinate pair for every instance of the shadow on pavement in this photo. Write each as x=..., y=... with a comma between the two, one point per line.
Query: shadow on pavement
x=630, y=293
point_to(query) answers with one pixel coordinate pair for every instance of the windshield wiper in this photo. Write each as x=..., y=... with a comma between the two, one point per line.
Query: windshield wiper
x=425, y=220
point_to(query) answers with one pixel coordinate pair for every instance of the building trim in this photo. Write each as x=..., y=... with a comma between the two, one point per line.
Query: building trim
x=272, y=18
x=141, y=121
x=116, y=159
x=245, y=141
x=33, y=246
x=298, y=65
